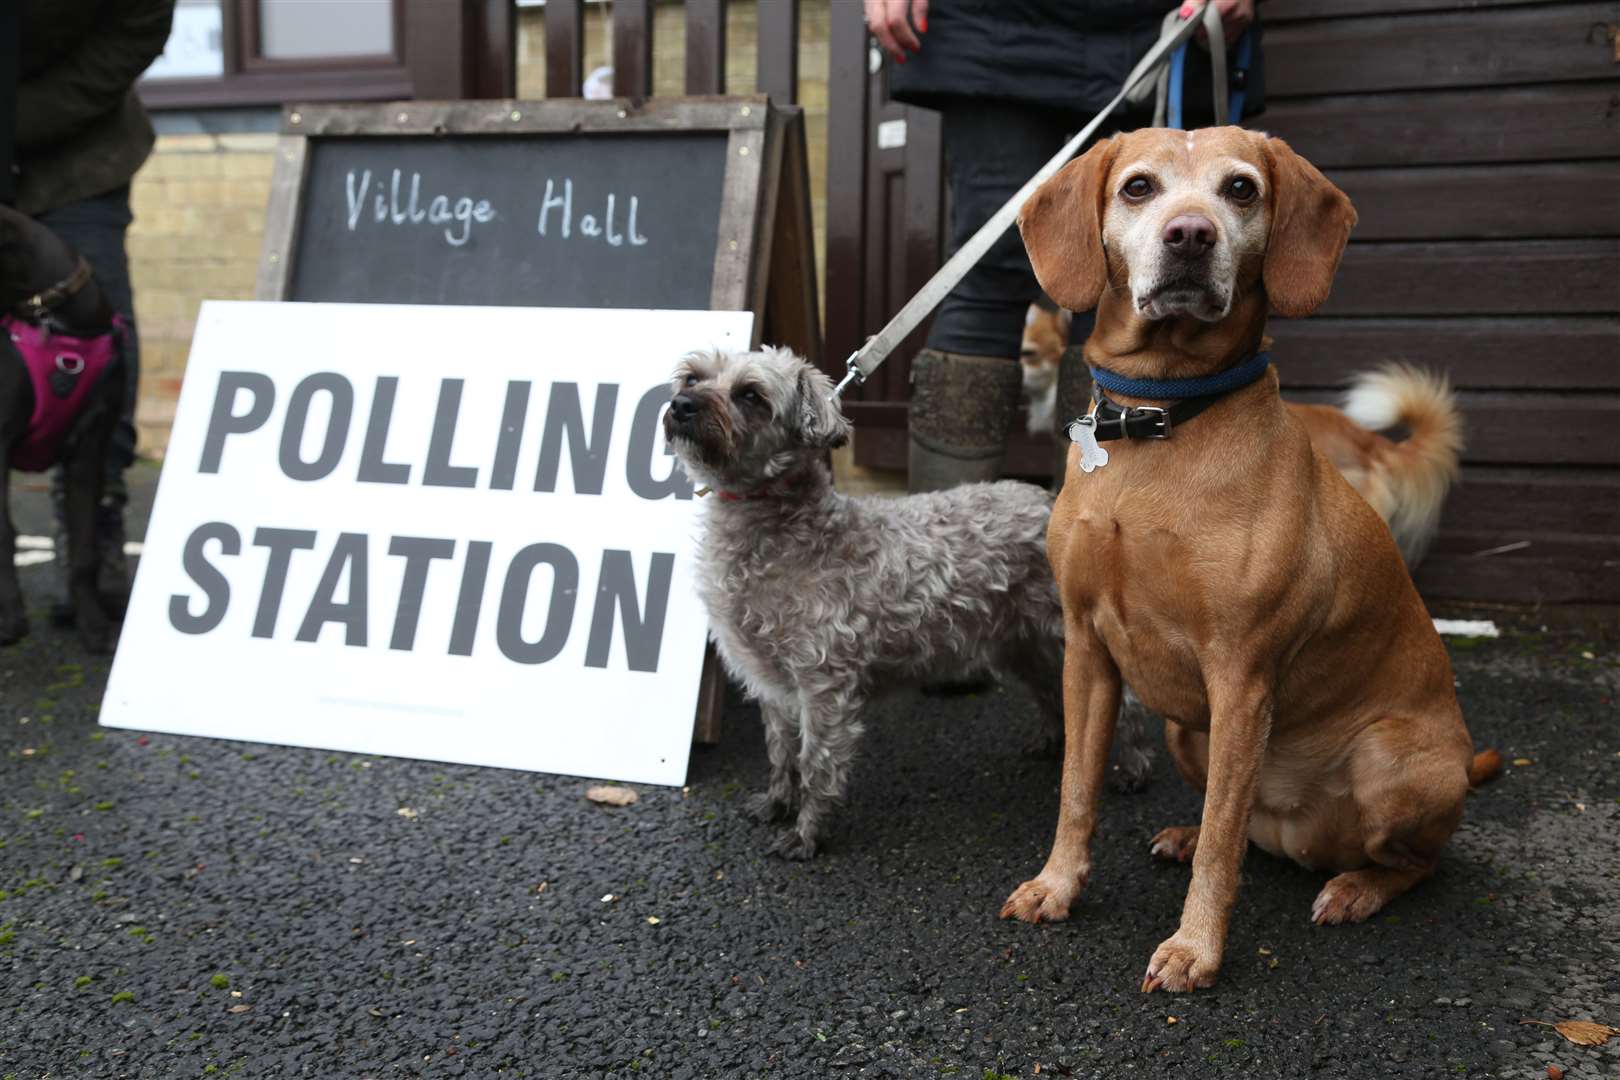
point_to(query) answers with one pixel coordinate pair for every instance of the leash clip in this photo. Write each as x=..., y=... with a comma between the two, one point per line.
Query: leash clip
x=854, y=376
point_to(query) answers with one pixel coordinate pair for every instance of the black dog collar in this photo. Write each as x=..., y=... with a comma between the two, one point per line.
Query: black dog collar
x=37, y=307
x=1108, y=420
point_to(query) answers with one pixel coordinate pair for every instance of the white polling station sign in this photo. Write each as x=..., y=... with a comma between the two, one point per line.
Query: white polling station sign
x=451, y=533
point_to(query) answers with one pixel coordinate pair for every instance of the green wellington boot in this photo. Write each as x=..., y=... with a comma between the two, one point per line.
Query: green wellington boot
x=962, y=410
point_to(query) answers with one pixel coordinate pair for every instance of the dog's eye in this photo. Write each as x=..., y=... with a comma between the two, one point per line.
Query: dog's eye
x=691, y=380
x=750, y=396
x=1240, y=189
x=1137, y=188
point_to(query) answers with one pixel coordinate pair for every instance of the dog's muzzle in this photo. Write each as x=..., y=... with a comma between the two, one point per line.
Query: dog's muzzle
x=1185, y=282
x=684, y=408
x=682, y=414
x=1181, y=294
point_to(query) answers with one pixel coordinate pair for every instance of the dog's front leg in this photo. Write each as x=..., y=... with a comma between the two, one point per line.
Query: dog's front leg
x=13, y=615
x=1091, y=688
x=827, y=736
x=1239, y=726
x=776, y=802
x=83, y=483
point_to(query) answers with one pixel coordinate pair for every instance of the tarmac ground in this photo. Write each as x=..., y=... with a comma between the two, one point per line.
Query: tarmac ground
x=175, y=907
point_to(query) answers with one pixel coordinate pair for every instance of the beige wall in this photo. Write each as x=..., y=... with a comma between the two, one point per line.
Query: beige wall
x=199, y=215
x=200, y=200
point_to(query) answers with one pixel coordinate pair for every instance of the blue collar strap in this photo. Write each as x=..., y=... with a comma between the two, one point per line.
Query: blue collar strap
x=1222, y=382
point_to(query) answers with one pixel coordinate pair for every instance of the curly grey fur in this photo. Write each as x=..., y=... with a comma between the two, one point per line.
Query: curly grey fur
x=819, y=601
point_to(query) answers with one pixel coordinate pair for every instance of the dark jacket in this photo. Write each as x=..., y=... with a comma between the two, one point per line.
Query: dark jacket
x=1070, y=55
x=81, y=130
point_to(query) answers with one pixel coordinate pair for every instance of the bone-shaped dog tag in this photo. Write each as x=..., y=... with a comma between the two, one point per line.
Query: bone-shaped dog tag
x=1083, y=433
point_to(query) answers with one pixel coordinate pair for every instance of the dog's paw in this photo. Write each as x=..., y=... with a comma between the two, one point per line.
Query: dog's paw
x=794, y=846
x=1047, y=745
x=1349, y=898
x=1133, y=747
x=765, y=808
x=1177, y=843
x=114, y=604
x=96, y=634
x=1131, y=776
x=1042, y=899
x=1180, y=965
x=13, y=627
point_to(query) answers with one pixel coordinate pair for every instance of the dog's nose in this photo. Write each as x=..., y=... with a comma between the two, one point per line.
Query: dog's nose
x=684, y=407
x=1189, y=234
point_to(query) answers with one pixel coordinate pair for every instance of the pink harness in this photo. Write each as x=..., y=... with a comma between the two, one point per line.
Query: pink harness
x=64, y=370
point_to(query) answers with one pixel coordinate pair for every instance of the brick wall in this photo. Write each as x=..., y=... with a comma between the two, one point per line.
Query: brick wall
x=200, y=200
x=199, y=207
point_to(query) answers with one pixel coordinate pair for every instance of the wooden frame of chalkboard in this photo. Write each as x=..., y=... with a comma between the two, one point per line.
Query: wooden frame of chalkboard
x=763, y=259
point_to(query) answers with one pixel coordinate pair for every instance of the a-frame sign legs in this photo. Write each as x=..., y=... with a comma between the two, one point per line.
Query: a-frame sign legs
x=791, y=313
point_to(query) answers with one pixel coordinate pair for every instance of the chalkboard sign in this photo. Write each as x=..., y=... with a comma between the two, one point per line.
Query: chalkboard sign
x=674, y=203
x=625, y=221
x=665, y=203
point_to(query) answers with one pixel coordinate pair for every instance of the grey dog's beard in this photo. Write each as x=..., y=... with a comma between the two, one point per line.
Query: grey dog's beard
x=701, y=463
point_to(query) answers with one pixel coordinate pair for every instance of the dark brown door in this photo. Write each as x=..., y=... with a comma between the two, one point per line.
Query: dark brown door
x=885, y=227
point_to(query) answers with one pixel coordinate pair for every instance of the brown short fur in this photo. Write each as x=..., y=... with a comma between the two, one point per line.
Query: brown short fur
x=1230, y=574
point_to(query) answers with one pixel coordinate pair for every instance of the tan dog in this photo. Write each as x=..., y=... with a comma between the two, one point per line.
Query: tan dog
x=1229, y=573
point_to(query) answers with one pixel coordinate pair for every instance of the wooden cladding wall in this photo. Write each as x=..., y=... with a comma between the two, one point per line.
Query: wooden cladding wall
x=1481, y=145
x=1480, y=141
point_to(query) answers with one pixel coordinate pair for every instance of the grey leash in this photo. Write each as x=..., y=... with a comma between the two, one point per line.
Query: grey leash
x=865, y=360
x=1159, y=86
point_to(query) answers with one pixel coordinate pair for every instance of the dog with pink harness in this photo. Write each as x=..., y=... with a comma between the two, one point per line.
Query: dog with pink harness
x=64, y=371
x=61, y=381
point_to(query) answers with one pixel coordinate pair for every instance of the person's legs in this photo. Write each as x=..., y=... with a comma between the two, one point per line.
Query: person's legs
x=966, y=383
x=95, y=228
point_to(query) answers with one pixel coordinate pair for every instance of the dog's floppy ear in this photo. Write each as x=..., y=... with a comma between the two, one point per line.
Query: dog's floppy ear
x=1310, y=224
x=1062, y=229
x=821, y=423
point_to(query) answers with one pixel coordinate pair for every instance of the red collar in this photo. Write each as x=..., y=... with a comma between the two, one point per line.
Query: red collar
x=748, y=496
x=763, y=493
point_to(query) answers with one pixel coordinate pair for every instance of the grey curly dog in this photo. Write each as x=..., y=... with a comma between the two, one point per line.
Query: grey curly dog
x=818, y=601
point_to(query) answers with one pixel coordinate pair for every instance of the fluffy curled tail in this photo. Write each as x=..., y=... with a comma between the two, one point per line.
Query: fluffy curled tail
x=1486, y=764
x=1421, y=469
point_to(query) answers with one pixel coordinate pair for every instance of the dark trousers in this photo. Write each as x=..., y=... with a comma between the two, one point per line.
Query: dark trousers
x=991, y=149
x=95, y=228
